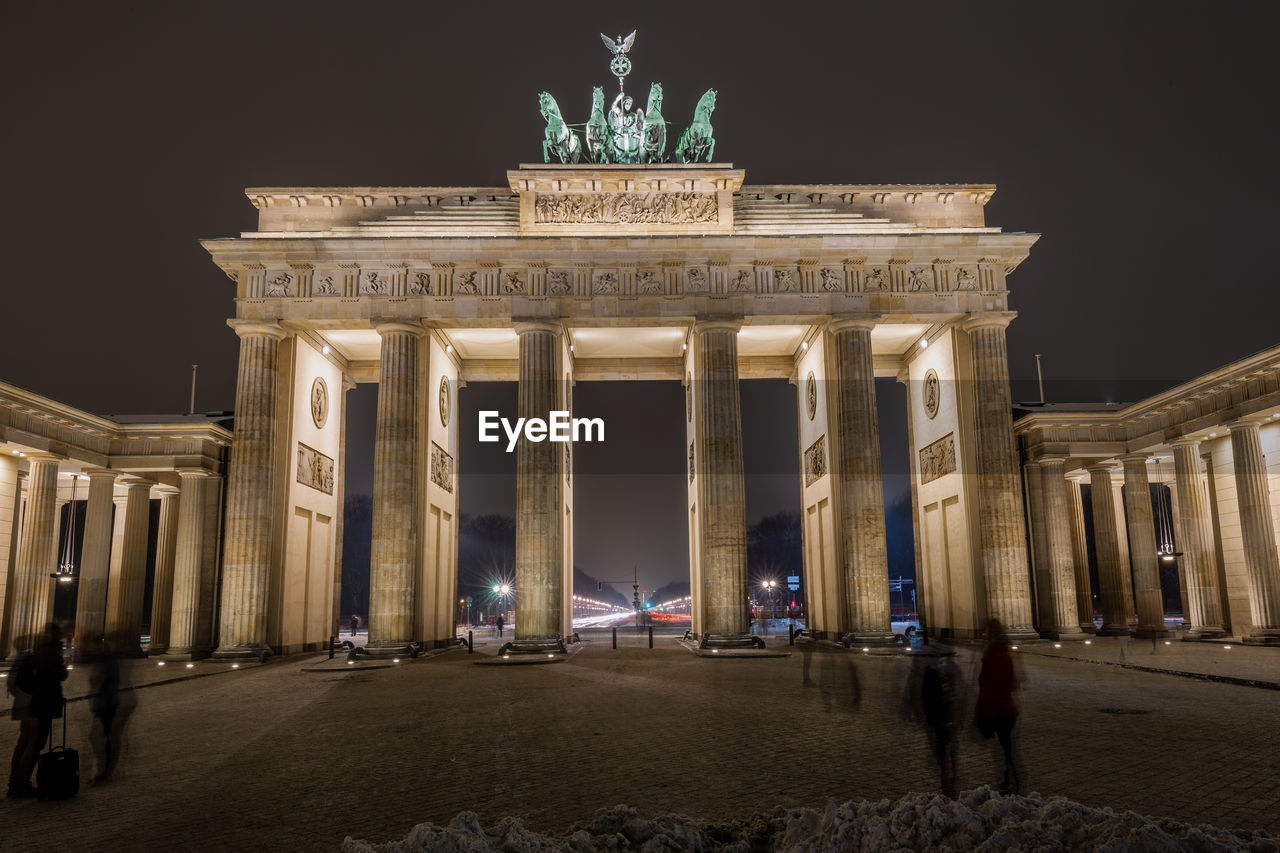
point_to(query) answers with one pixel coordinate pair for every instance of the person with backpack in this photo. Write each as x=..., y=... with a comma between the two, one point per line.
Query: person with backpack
x=36, y=686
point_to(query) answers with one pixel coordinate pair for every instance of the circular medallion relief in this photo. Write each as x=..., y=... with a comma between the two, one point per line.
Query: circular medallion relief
x=811, y=395
x=688, y=397
x=319, y=402
x=930, y=392
x=444, y=400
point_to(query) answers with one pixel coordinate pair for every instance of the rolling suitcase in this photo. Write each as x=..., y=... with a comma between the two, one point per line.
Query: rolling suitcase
x=58, y=771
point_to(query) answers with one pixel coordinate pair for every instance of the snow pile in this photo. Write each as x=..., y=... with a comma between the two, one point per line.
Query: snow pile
x=980, y=820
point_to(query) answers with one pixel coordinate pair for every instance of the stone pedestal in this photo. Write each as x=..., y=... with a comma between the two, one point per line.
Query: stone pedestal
x=250, y=495
x=1059, y=613
x=187, y=564
x=856, y=468
x=36, y=553
x=1142, y=547
x=1257, y=529
x=539, y=544
x=722, y=492
x=95, y=561
x=1113, y=575
x=1000, y=523
x=396, y=523
x=127, y=586
x=1198, y=568
x=162, y=585
x=1080, y=558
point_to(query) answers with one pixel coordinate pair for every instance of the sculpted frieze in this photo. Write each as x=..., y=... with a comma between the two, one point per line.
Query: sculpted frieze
x=627, y=208
x=832, y=279
x=315, y=469
x=784, y=281
x=605, y=283
x=467, y=282
x=815, y=461
x=558, y=282
x=695, y=280
x=513, y=282
x=743, y=282
x=649, y=281
x=279, y=286
x=422, y=285
x=326, y=286
x=373, y=285
x=441, y=468
x=938, y=459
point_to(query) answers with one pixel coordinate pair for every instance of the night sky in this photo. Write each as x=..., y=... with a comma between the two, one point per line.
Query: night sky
x=1135, y=137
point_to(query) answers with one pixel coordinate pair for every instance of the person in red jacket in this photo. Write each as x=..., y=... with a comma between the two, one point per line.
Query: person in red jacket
x=997, y=711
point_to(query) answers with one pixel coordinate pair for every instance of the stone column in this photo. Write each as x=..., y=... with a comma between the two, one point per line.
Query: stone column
x=721, y=489
x=95, y=561
x=10, y=568
x=1034, y=487
x=1197, y=564
x=1080, y=553
x=162, y=585
x=539, y=545
x=1142, y=547
x=250, y=495
x=1258, y=531
x=1002, y=534
x=184, y=608
x=36, y=552
x=1113, y=576
x=127, y=585
x=396, y=525
x=338, y=523
x=855, y=467
x=1061, y=619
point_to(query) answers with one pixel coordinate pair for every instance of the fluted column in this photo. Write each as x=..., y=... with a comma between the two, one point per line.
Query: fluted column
x=95, y=560
x=1260, y=558
x=339, y=521
x=1142, y=547
x=1034, y=486
x=396, y=525
x=721, y=489
x=36, y=553
x=250, y=495
x=855, y=466
x=1060, y=619
x=127, y=585
x=1080, y=559
x=1197, y=564
x=162, y=584
x=1002, y=534
x=539, y=544
x=1113, y=576
x=188, y=557
x=11, y=564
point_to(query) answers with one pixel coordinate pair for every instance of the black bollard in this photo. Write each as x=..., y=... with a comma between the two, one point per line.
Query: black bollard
x=650, y=636
x=615, y=637
x=470, y=643
x=791, y=634
x=330, y=647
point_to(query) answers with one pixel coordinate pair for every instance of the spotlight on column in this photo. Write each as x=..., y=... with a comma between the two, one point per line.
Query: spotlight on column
x=804, y=345
x=448, y=347
x=924, y=343
x=325, y=349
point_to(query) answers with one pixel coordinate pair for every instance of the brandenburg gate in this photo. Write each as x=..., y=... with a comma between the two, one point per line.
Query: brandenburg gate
x=577, y=272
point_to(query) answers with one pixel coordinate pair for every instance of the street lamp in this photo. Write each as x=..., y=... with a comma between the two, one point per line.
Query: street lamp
x=771, y=589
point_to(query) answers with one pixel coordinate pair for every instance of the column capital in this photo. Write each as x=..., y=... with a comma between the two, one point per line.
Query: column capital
x=842, y=324
x=1241, y=426
x=991, y=318
x=192, y=473
x=1185, y=441
x=1135, y=458
x=726, y=324
x=43, y=456
x=168, y=491
x=266, y=329
x=137, y=483
x=386, y=327
x=100, y=474
x=1099, y=468
x=555, y=327
x=1053, y=459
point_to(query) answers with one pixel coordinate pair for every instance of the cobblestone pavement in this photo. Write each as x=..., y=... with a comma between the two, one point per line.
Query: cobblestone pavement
x=275, y=758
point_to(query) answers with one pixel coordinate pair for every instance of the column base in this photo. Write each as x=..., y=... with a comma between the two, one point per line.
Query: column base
x=534, y=646
x=390, y=649
x=1204, y=635
x=1113, y=631
x=1089, y=629
x=730, y=641
x=1265, y=637
x=234, y=653
x=183, y=655
x=1152, y=633
x=870, y=638
x=1021, y=634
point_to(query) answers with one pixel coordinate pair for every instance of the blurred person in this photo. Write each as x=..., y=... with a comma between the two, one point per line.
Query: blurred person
x=36, y=685
x=838, y=679
x=112, y=705
x=996, y=713
x=501, y=623
x=935, y=696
